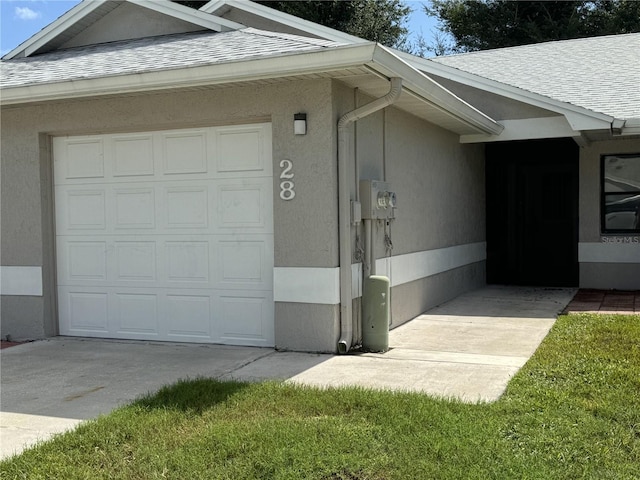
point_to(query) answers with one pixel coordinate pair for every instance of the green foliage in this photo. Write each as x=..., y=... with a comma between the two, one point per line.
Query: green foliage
x=572, y=412
x=481, y=25
x=376, y=20
x=197, y=4
x=380, y=21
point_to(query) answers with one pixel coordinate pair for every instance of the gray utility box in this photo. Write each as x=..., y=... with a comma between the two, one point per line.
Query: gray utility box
x=377, y=200
x=376, y=314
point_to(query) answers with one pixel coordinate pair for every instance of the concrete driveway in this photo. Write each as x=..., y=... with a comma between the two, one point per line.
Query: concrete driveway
x=468, y=348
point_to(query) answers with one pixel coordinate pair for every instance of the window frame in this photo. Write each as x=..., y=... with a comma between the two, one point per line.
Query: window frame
x=604, y=195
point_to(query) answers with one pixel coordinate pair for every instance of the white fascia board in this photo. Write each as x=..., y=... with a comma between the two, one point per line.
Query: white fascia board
x=283, y=18
x=526, y=129
x=428, y=90
x=188, y=14
x=85, y=7
x=255, y=69
x=54, y=29
x=631, y=127
x=578, y=117
x=370, y=54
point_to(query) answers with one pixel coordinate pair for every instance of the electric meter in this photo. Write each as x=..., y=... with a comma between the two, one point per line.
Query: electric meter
x=377, y=199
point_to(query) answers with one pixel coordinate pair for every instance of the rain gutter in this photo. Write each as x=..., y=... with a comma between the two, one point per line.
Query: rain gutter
x=344, y=206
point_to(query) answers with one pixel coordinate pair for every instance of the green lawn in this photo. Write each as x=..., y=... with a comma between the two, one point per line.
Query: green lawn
x=572, y=412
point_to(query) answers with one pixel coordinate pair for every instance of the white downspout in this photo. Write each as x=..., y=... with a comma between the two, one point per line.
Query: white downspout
x=344, y=206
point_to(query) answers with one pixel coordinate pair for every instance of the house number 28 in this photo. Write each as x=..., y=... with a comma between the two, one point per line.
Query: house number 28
x=286, y=185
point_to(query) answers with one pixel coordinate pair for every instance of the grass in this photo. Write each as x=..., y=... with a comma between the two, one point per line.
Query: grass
x=572, y=412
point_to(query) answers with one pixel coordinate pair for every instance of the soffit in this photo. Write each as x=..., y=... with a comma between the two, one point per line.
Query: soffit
x=244, y=57
x=376, y=85
x=600, y=74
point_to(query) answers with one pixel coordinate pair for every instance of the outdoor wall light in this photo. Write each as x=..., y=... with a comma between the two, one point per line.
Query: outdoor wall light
x=300, y=123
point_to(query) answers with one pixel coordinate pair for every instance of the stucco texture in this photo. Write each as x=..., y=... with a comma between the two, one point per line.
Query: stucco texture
x=305, y=230
x=439, y=182
x=441, y=200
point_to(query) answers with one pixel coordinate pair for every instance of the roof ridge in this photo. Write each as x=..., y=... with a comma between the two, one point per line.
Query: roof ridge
x=292, y=36
x=532, y=45
x=127, y=41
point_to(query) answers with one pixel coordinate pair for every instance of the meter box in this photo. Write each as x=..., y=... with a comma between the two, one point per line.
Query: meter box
x=377, y=200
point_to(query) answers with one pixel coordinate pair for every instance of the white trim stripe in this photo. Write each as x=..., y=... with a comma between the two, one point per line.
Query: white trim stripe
x=25, y=281
x=306, y=285
x=608, y=252
x=414, y=266
x=322, y=285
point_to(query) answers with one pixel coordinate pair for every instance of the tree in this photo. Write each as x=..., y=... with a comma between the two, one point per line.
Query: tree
x=197, y=4
x=380, y=21
x=481, y=25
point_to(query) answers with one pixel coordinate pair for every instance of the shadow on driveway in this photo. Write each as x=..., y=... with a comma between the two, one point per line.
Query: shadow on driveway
x=468, y=348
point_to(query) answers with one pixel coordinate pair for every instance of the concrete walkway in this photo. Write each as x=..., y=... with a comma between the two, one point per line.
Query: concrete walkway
x=468, y=348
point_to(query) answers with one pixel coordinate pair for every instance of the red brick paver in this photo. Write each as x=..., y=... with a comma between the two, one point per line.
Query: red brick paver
x=605, y=301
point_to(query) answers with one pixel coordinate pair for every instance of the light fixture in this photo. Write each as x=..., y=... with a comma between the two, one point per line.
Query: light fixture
x=300, y=123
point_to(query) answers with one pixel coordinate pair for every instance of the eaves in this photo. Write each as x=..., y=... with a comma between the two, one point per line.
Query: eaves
x=375, y=58
x=579, y=118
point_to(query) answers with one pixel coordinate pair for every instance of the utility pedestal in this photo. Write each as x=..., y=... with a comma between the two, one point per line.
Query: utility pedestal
x=376, y=313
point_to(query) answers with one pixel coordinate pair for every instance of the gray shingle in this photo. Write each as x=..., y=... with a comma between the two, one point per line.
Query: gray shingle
x=599, y=73
x=149, y=54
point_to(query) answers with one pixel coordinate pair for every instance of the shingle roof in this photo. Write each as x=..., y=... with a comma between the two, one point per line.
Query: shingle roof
x=149, y=54
x=599, y=73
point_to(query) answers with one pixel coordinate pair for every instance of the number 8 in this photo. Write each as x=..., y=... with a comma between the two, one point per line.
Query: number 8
x=287, y=192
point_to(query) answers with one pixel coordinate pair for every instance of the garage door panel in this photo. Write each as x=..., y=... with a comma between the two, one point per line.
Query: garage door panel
x=83, y=312
x=81, y=209
x=180, y=261
x=134, y=208
x=184, y=152
x=86, y=260
x=241, y=149
x=133, y=155
x=244, y=263
x=187, y=207
x=243, y=316
x=137, y=313
x=163, y=245
x=84, y=159
x=242, y=206
x=164, y=156
x=187, y=261
x=135, y=261
x=219, y=206
x=189, y=316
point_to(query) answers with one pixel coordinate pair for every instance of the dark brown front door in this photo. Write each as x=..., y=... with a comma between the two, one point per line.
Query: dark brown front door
x=532, y=211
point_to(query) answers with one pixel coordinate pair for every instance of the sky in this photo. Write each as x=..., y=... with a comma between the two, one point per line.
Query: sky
x=20, y=19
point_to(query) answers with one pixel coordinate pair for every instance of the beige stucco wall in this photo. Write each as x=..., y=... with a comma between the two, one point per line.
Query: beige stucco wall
x=305, y=230
x=625, y=276
x=441, y=200
x=440, y=186
x=129, y=21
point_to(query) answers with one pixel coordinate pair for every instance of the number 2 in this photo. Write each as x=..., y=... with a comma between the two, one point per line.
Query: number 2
x=287, y=165
x=286, y=186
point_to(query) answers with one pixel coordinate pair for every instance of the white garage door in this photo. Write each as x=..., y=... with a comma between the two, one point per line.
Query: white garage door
x=166, y=235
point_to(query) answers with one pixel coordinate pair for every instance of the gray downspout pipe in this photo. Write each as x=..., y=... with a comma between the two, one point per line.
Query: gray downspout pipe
x=344, y=206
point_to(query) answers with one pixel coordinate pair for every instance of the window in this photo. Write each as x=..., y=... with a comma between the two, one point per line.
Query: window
x=620, y=192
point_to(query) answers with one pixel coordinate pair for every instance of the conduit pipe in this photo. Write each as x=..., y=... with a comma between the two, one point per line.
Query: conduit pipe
x=344, y=206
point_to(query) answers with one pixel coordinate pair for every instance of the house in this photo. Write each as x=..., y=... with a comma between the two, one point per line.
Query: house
x=231, y=174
